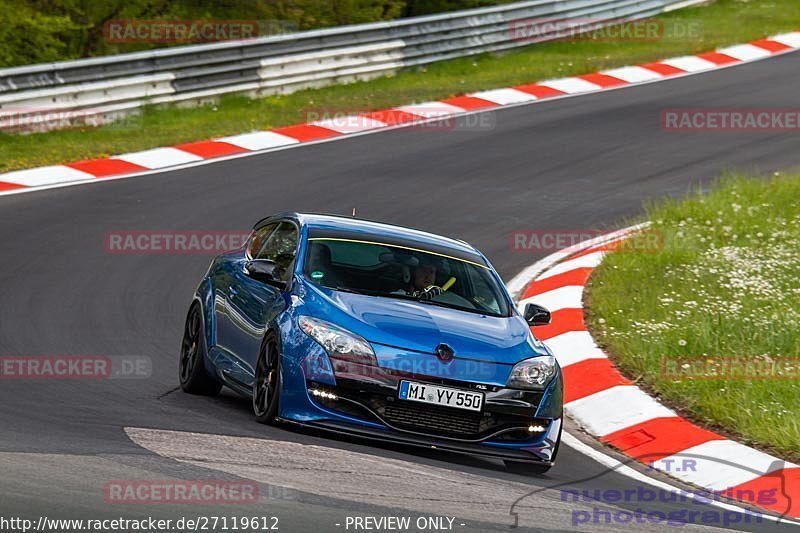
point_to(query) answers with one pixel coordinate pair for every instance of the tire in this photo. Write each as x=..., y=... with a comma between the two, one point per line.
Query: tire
x=267, y=381
x=191, y=368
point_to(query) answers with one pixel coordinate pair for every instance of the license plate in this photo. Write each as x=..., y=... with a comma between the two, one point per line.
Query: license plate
x=436, y=395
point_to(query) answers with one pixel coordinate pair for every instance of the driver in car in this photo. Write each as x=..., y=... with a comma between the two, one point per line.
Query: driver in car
x=423, y=280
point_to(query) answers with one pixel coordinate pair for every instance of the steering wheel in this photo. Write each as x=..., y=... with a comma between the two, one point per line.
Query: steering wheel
x=430, y=291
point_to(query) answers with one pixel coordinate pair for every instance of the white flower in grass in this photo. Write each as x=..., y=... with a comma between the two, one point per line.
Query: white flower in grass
x=681, y=342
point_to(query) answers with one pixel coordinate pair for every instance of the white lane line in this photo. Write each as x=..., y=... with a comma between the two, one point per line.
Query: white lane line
x=573, y=347
x=350, y=124
x=431, y=109
x=259, y=140
x=518, y=283
x=610, y=410
x=720, y=464
x=745, y=52
x=34, y=177
x=633, y=74
x=568, y=297
x=590, y=260
x=571, y=85
x=504, y=96
x=789, y=39
x=690, y=63
x=159, y=157
x=623, y=469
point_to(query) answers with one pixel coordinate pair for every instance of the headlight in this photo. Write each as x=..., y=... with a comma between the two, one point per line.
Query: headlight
x=336, y=341
x=534, y=373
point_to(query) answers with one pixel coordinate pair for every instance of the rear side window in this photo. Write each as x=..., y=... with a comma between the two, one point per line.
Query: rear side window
x=281, y=247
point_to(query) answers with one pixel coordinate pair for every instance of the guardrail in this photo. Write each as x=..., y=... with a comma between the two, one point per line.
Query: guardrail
x=101, y=89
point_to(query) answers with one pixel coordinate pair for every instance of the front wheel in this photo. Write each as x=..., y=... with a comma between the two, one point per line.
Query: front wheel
x=193, y=376
x=267, y=382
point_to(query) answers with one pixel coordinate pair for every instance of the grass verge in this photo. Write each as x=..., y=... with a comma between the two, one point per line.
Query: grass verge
x=710, y=321
x=714, y=25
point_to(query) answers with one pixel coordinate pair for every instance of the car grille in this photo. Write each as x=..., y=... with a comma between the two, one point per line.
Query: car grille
x=443, y=421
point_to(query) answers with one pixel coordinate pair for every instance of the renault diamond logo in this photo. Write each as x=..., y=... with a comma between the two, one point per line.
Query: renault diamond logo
x=444, y=352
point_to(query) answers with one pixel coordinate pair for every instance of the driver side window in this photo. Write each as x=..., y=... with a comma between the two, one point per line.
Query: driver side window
x=258, y=238
x=281, y=247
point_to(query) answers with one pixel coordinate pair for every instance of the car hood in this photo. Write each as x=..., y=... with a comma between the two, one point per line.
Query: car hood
x=421, y=327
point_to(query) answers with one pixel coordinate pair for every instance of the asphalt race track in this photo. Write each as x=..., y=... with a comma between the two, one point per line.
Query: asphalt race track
x=577, y=163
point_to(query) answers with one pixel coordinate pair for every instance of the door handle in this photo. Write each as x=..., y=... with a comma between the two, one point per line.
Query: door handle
x=232, y=291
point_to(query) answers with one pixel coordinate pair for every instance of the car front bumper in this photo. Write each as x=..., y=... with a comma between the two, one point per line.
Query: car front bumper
x=512, y=424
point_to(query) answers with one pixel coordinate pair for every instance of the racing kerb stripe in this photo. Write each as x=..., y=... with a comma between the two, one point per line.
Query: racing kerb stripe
x=608, y=406
x=334, y=127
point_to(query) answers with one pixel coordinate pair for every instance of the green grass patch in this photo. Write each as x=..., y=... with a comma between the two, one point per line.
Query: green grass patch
x=714, y=25
x=710, y=321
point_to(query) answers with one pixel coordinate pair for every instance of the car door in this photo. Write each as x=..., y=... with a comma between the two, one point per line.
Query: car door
x=226, y=313
x=254, y=303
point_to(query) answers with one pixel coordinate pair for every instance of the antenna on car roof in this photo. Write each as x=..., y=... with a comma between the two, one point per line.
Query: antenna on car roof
x=354, y=212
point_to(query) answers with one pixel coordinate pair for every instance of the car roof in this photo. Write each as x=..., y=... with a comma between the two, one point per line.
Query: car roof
x=327, y=225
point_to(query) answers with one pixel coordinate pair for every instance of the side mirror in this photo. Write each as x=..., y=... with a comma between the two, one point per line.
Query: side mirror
x=536, y=315
x=265, y=271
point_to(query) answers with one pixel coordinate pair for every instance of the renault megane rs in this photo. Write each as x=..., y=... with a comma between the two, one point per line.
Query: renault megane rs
x=376, y=330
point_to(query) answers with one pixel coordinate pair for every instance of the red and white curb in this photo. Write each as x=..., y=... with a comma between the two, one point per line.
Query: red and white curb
x=608, y=406
x=189, y=154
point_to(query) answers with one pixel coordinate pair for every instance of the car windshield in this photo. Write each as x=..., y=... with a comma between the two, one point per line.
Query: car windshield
x=386, y=270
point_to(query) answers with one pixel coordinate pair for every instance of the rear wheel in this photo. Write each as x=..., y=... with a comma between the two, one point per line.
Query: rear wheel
x=267, y=382
x=193, y=376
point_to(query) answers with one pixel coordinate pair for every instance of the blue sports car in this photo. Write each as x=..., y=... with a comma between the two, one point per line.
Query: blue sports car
x=376, y=330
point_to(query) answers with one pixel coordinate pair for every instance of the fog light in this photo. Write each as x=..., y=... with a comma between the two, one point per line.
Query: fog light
x=536, y=429
x=322, y=394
